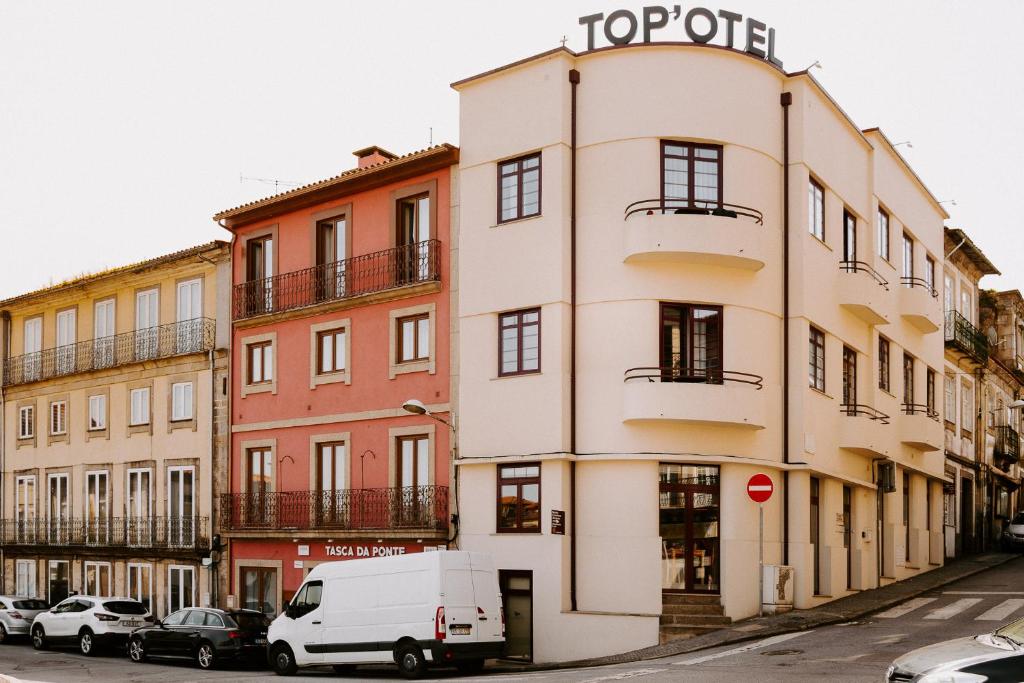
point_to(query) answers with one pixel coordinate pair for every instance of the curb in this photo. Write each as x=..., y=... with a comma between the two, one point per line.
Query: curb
x=827, y=619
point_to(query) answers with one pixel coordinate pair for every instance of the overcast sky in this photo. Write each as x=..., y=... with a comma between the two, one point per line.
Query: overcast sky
x=125, y=125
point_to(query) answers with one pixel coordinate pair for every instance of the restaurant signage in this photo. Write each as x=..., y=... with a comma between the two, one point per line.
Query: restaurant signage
x=698, y=24
x=364, y=550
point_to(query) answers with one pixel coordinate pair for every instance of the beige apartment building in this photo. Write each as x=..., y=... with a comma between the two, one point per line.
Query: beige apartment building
x=114, y=431
x=681, y=266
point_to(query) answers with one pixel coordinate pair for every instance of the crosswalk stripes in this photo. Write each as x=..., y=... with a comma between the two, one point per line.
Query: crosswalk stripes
x=1001, y=611
x=953, y=608
x=906, y=608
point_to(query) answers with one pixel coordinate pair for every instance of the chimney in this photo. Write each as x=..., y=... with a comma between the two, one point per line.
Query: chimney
x=368, y=156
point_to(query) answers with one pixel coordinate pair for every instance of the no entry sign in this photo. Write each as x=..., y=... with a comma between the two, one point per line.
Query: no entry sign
x=760, y=488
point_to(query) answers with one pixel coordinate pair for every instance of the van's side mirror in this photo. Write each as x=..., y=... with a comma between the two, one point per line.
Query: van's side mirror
x=290, y=611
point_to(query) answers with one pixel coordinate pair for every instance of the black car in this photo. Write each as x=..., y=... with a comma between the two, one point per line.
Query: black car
x=205, y=635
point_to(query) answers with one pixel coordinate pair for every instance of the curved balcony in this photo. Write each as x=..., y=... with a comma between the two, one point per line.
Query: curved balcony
x=704, y=397
x=862, y=429
x=726, y=235
x=919, y=304
x=920, y=427
x=864, y=292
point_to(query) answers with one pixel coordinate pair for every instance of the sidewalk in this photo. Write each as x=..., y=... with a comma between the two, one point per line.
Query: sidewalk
x=836, y=612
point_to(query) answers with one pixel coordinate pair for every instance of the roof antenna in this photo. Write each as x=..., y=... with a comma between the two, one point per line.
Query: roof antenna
x=278, y=184
x=431, y=136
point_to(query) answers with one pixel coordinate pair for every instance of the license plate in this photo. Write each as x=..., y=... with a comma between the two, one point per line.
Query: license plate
x=261, y=641
x=461, y=629
x=131, y=624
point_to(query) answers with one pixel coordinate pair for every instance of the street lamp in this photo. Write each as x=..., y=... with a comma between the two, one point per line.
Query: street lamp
x=416, y=407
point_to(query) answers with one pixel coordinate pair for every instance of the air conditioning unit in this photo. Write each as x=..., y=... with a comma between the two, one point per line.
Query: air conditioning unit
x=777, y=595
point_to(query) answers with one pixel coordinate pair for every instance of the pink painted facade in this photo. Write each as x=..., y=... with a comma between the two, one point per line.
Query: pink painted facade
x=346, y=282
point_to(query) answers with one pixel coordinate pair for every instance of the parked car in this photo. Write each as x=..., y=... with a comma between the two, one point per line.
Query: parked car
x=996, y=657
x=89, y=622
x=16, y=615
x=206, y=635
x=422, y=609
x=1013, y=534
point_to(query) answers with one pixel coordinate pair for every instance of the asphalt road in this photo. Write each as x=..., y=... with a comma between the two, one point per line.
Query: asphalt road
x=856, y=651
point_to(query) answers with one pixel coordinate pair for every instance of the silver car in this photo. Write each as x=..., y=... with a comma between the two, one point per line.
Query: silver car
x=16, y=615
x=1013, y=534
x=996, y=657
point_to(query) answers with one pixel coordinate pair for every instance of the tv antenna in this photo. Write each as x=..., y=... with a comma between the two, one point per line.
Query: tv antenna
x=278, y=184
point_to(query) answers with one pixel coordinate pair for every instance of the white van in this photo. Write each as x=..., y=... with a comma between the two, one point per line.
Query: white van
x=417, y=610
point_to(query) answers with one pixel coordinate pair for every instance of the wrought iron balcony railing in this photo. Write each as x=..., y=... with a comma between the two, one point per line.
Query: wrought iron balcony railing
x=401, y=266
x=1007, y=446
x=167, y=533
x=961, y=334
x=411, y=507
x=190, y=336
x=675, y=373
x=862, y=410
x=862, y=267
x=911, y=282
x=920, y=409
x=696, y=206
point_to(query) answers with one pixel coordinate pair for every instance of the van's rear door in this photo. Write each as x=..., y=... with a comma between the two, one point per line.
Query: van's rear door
x=488, y=597
x=460, y=614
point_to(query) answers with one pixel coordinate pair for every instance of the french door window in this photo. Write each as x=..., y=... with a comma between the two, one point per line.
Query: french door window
x=260, y=463
x=849, y=237
x=189, y=336
x=66, y=328
x=25, y=508
x=849, y=377
x=908, y=380
x=691, y=175
x=413, y=231
x=97, y=579
x=97, y=493
x=331, y=255
x=58, y=581
x=259, y=271
x=180, y=506
x=330, y=482
x=140, y=506
x=140, y=584
x=25, y=578
x=413, y=474
x=59, y=522
x=883, y=363
x=181, y=588
x=259, y=589
x=33, y=348
x=908, y=260
x=103, y=338
x=147, y=338
x=691, y=343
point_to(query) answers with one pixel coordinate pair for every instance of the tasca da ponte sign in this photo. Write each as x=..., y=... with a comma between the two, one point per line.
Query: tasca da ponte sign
x=697, y=24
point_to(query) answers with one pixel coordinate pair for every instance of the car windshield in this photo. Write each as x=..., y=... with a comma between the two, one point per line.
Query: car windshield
x=251, y=622
x=30, y=604
x=1019, y=519
x=124, y=607
x=1014, y=631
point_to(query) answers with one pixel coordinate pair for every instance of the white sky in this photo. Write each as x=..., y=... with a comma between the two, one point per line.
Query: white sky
x=125, y=125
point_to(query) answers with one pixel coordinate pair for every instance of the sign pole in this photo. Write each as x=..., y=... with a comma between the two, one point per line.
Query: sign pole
x=760, y=559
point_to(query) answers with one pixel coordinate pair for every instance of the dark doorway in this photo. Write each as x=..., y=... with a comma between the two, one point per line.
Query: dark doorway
x=815, y=534
x=688, y=523
x=848, y=534
x=517, y=601
x=967, y=514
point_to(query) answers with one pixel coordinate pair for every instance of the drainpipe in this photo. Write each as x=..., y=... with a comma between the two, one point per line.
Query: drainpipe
x=213, y=460
x=785, y=100
x=574, y=80
x=5, y=320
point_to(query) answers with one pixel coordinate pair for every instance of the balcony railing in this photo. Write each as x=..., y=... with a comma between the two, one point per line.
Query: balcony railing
x=400, y=266
x=675, y=373
x=912, y=282
x=696, y=207
x=1007, y=446
x=862, y=267
x=413, y=507
x=190, y=336
x=167, y=533
x=961, y=334
x=862, y=410
x=920, y=409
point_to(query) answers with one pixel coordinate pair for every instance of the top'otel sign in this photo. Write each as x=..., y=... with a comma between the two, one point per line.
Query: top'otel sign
x=700, y=25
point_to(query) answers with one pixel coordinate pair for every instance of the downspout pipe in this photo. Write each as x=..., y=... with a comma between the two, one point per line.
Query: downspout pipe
x=5, y=321
x=574, y=80
x=786, y=99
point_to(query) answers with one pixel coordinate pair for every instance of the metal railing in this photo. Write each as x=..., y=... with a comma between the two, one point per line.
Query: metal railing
x=862, y=267
x=920, y=409
x=960, y=333
x=862, y=410
x=1007, y=446
x=175, y=339
x=912, y=282
x=697, y=207
x=400, y=266
x=186, y=533
x=411, y=507
x=675, y=373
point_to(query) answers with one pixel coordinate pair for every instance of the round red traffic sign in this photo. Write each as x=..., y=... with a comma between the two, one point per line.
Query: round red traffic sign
x=760, y=488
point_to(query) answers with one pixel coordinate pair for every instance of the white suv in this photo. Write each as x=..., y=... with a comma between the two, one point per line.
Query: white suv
x=89, y=622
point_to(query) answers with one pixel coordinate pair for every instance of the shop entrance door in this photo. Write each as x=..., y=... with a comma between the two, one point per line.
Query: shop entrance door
x=517, y=595
x=688, y=522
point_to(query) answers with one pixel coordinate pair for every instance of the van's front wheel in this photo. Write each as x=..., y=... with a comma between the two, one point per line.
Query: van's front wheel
x=409, y=658
x=283, y=661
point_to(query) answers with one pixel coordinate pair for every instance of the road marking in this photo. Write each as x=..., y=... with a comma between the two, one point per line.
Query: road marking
x=625, y=674
x=983, y=592
x=953, y=608
x=1001, y=611
x=745, y=648
x=893, y=639
x=905, y=608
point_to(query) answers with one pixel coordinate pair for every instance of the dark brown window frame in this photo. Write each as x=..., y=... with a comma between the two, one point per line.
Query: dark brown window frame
x=261, y=453
x=518, y=482
x=519, y=325
x=816, y=340
x=884, y=372
x=261, y=576
x=417, y=217
x=929, y=391
x=818, y=187
x=668, y=373
x=415, y=438
x=250, y=350
x=884, y=245
x=849, y=376
x=908, y=374
x=849, y=222
x=333, y=332
x=691, y=202
x=518, y=173
x=399, y=347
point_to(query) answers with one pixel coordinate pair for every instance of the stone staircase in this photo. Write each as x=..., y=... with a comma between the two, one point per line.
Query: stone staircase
x=688, y=615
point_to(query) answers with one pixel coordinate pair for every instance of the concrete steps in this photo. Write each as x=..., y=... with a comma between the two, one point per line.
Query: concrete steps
x=686, y=615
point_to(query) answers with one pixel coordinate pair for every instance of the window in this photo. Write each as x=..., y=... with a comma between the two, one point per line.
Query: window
x=261, y=362
x=175, y=619
x=97, y=412
x=25, y=578
x=414, y=461
x=966, y=409
x=908, y=260
x=97, y=511
x=181, y=401
x=180, y=587
x=331, y=252
x=140, y=584
x=883, y=234
x=519, y=342
x=139, y=407
x=966, y=309
x=195, y=618
x=691, y=175
x=58, y=417
x=25, y=508
x=308, y=598
x=97, y=579
x=883, y=363
x=330, y=481
x=906, y=514
x=929, y=276
x=259, y=589
x=413, y=341
x=950, y=399
x=849, y=236
x=849, y=376
x=929, y=392
x=691, y=343
x=26, y=422
x=259, y=271
x=816, y=209
x=948, y=294
x=908, y=380
x=330, y=351
x=519, y=498
x=519, y=188
x=816, y=369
